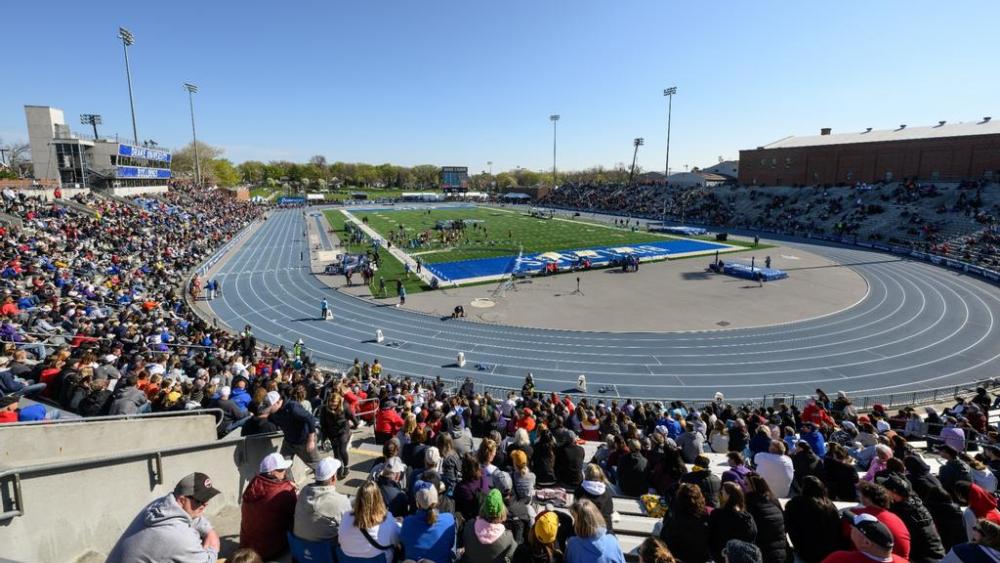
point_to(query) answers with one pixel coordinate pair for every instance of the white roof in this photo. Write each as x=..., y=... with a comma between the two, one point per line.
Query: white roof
x=991, y=127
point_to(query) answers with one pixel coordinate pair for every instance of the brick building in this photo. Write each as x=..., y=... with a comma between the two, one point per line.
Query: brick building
x=944, y=152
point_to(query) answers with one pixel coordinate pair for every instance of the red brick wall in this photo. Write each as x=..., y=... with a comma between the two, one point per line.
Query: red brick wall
x=955, y=158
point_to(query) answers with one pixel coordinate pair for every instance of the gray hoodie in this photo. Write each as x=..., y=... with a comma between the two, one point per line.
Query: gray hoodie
x=163, y=532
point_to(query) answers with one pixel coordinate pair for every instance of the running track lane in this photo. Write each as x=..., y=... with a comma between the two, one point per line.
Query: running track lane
x=919, y=327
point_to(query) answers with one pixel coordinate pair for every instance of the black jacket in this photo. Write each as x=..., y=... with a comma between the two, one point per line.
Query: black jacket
x=687, y=537
x=393, y=496
x=770, y=522
x=569, y=465
x=258, y=425
x=725, y=525
x=806, y=463
x=814, y=528
x=97, y=403
x=336, y=426
x=632, y=475
x=603, y=502
x=920, y=477
x=543, y=465
x=840, y=479
x=925, y=543
x=948, y=519
x=709, y=483
x=952, y=472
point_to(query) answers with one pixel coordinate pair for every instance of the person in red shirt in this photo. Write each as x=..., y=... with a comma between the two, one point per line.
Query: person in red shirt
x=815, y=414
x=872, y=542
x=268, y=508
x=387, y=422
x=875, y=502
x=8, y=409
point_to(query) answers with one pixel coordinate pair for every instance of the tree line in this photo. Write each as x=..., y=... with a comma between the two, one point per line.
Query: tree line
x=319, y=174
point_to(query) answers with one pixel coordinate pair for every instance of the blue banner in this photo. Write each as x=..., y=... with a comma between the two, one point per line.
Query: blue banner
x=140, y=172
x=288, y=200
x=143, y=152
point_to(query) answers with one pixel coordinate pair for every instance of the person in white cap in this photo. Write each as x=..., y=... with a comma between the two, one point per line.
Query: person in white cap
x=268, y=508
x=320, y=508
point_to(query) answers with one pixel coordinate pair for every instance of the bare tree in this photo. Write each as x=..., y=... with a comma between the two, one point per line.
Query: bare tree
x=17, y=157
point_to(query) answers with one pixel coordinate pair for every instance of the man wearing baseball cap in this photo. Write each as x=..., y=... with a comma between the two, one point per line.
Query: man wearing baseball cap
x=872, y=540
x=172, y=527
x=320, y=507
x=268, y=508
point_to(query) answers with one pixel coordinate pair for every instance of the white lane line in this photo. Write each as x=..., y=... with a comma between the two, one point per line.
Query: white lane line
x=990, y=313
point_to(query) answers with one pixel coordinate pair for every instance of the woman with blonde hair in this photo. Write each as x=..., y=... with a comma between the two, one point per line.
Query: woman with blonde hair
x=369, y=529
x=592, y=542
x=409, y=426
x=718, y=438
x=487, y=451
x=653, y=550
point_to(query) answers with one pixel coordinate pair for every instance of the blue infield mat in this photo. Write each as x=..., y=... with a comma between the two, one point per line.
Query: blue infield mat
x=746, y=272
x=565, y=259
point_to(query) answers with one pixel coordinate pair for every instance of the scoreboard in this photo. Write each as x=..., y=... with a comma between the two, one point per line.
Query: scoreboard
x=454, y=177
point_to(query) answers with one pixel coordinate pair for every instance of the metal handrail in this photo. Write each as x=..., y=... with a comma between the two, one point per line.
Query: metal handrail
x=16, y=474
x=216, y=412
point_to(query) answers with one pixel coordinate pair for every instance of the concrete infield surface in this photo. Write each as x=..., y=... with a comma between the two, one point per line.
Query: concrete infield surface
x=846, y=319
x=676, y=295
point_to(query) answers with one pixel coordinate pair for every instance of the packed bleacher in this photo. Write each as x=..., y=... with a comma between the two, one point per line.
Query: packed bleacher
x=956, y=220
x=532, y=476
x=93, y=287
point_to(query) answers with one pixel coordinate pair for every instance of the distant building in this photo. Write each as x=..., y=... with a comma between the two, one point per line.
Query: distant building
x=70, y=159
x=943, y=152
x=729, y=169
x=696, y=179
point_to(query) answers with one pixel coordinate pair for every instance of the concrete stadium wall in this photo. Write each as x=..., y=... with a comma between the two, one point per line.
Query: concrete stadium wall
x=36, y=443
x=81, y=511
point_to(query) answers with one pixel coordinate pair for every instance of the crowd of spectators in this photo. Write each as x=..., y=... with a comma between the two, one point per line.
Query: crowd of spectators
x=920, y=218
x=529, y=492
x=93, y=317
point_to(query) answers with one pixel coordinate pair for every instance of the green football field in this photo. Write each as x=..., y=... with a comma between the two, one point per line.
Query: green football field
x=501, y=233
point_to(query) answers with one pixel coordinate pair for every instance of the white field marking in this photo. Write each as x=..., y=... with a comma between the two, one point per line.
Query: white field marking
x=787, y=257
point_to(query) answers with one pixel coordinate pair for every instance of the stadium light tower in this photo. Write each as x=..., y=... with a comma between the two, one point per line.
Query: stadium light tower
x=192, y=90
x=127, y=40
x=637, y=142
x=91, y=119
x=555, y=119
x=669, y=93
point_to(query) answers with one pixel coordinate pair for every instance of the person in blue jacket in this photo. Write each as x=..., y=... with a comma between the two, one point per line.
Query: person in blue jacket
x=811, y=435
x=428, y=534
x=592, y=542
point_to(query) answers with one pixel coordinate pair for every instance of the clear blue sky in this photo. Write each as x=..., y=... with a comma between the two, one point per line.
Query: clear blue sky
x=462, y=82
